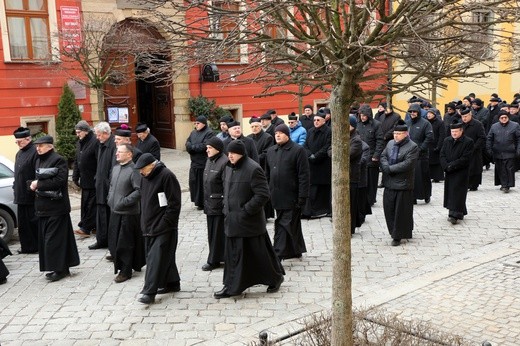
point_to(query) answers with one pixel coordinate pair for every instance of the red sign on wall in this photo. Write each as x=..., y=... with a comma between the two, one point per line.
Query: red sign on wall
x=71, y=27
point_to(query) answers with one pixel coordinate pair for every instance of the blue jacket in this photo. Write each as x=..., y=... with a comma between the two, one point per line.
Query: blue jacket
x=298, y=134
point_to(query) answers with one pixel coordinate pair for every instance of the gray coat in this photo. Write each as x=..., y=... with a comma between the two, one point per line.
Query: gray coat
x=125, y=190
x=503, y=142
x=400, y=176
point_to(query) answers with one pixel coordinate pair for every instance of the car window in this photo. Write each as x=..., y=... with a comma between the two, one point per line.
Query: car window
x=5, y=172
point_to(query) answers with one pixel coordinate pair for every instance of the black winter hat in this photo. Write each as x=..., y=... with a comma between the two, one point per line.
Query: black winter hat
x=44, y=140
x=144, y=160
x=284, y=129
x=216, y=143
x=22, y=132
x=236, y=147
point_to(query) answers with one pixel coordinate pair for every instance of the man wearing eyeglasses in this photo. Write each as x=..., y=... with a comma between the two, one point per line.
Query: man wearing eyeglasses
x=298, y=132
x=503, y=142
x=24, y=170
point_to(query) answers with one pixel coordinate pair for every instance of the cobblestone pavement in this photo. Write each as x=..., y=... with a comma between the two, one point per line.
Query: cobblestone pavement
x=460, y=278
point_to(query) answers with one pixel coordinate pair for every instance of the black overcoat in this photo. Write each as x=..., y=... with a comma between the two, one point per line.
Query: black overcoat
x=439, y=134
x=196, y=146
x=455, y=157
x=46, y=206
x=317, y=143
x=24, y=171
x=85, y=164
x=288, y=172
x=400, y=175
x=106, y=159
x=214, y=184
x=421, y=133
x=388, y=122
x=150, y=145
x=370, y=132
x=356, y=151
x=245, y=193
x=475, y=130
x=263, y=141
x=156, y=218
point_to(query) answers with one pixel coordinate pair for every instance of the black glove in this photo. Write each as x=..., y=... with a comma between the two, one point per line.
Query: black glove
x=385, y=169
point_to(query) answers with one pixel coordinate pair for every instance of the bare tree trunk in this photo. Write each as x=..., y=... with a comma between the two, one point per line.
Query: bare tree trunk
x=101, y=104
x=341, y=266
x=434, y=94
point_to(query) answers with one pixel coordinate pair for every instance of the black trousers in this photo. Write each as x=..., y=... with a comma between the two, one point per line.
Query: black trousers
x=88, y=210
x=196, y=185
x=27, y=228
x=102, y=222
x=216, y=239
x=505, y=172
x=372, y=182
x=161, y=268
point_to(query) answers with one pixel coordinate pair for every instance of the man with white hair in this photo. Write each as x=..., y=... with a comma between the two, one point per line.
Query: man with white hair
x=147, y=143
x=106, y=159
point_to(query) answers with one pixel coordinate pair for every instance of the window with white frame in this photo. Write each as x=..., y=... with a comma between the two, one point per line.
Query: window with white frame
x=484, y=32
x=26, y=27
x=224, y=26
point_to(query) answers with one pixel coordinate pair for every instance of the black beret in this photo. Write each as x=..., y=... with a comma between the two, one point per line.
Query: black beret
x=464, y=110
x=513, y=105
x=254, y=120
x=233, y=124
x=452, y=105
x=456, y=125
x=265, y=117
x=141, y=128
x=22, y=132
x=123, y=131
x=225, y=119
x=216, y=143
x=236, y=147
x=271, y=111
x=144, y=160
x=44, y=140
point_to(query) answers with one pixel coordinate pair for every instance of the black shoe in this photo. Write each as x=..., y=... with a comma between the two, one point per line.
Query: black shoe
x=396, y=242
x=94, y=246
x=121, y=278
x=173, y=288
x=488, y=166
x=427, y=200
x=110, y=258
x=380, y=186
x=20, y=252
x=414, y=201
x=473, y=188
x=209, y=267
x=57, y=276
x=48, y=275
x=275, y=288
x=3, y=281
x=452, y=220
x=223, y=293
x=506, y=190
x=146, y=299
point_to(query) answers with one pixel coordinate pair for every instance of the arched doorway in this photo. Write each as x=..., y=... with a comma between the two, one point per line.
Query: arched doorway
x=140, y=89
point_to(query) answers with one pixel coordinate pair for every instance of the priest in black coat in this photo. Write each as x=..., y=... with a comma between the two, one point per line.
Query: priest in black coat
x=250, y=258
x=147, y=143
x=235, y=132
x=455, y=157
x=196, y=147
x=475, y=130
x=288, y=172
x=24, y=170
x=213, y=202
x=57, y=245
